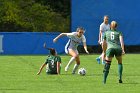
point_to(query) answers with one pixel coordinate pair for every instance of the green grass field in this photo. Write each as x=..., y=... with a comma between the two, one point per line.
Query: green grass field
x=18, y=75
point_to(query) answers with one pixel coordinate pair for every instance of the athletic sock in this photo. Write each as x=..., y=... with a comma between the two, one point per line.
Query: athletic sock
x=120, y=69
x=75, y=68
x=70, y=62
x=106, y=71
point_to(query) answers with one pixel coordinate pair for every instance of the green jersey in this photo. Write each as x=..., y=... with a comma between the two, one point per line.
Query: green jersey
x=52, y=64
x=112, y=38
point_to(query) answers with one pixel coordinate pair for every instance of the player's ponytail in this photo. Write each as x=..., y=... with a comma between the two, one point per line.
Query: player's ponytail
x=52, y=50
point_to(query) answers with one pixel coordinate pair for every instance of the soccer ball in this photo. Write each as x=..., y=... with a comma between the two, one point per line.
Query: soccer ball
x=82, y=71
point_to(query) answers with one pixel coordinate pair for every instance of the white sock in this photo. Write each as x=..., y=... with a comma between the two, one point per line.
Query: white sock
x=75, y=68
x=71, y=61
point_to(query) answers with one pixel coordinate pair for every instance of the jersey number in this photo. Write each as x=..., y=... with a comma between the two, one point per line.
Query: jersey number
x=52, y=63
x=112, y=35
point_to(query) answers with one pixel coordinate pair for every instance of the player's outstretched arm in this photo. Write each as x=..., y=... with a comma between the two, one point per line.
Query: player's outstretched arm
x=62, y=34
x=41, y=68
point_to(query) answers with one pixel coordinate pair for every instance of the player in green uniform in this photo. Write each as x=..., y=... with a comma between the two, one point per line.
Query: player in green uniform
x=52, y=63
x=115, y=46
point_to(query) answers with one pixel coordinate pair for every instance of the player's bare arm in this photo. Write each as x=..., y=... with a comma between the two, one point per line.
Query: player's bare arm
x=58, y=68
x=85, y=47
x=62, y=34
x=41, y=68
x=122, y=44
x=100, y=34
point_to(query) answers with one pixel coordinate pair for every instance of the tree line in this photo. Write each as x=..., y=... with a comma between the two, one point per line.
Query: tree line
x=34, y=15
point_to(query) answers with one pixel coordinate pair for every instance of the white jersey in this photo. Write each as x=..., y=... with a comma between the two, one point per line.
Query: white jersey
x=74, y=41
x=104, y=27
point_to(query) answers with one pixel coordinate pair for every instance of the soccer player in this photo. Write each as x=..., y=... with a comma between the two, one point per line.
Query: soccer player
x=115, y=46
x=75, y=38
x=52, y=63
x=103, y=27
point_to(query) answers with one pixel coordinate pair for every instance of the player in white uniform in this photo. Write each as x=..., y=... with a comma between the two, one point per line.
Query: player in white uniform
x=75, y=38
x=103, y=27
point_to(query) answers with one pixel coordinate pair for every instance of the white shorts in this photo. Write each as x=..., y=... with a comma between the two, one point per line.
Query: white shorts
x=68, y=49
x=100, y=42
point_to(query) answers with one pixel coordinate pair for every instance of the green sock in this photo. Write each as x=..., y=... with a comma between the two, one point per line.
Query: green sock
x=105, y=77
x=106, y=71
x=120, y=69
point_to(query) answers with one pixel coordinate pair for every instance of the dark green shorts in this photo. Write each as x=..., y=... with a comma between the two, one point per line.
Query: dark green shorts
x=51, y=73
x=113, y=51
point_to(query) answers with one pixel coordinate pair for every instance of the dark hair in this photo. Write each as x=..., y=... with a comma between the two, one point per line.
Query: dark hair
x=105, y=16
x=80, y=28
x=52, y=51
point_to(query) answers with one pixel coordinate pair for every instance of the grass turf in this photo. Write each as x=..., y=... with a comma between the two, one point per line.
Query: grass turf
x=18, y=75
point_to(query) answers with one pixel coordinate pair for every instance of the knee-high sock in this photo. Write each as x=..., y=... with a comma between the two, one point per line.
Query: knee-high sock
x=106, y=71
x=75, y=68
x=120, y=70
x=70, y=61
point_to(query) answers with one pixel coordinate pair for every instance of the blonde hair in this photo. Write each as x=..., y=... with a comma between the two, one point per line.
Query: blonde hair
x=114, y=23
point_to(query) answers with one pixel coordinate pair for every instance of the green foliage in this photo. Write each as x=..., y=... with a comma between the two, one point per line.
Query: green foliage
x=59, y=6
x=18, y=75
x=28, y=15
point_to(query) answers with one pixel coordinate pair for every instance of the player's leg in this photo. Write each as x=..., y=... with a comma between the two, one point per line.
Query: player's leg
x=77, y=62
x=109, y=56
x=120, y=65
x=74, y=55
x=106, y=68
x=120, y=68
x=103, y=59
x=98, y=59
x=101, y=56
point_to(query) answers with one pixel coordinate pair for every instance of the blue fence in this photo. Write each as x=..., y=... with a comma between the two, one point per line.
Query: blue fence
x=86, y=13
x=89, y=14
x=29, y=43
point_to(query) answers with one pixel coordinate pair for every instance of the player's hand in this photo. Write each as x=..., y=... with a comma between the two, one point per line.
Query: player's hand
x=54, y=40
x=99, y=41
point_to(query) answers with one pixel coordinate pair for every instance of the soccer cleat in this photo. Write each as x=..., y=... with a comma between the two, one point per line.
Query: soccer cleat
x=98, y=60
x=104, y=82
x=120, y=81
x=73, y=72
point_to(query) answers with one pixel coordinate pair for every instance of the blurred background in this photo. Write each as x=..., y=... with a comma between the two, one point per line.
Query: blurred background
x=25, y=25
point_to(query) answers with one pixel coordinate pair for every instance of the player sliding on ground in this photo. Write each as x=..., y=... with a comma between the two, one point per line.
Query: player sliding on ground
x=75, y=38
x=115, y=46
x=52, y=63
